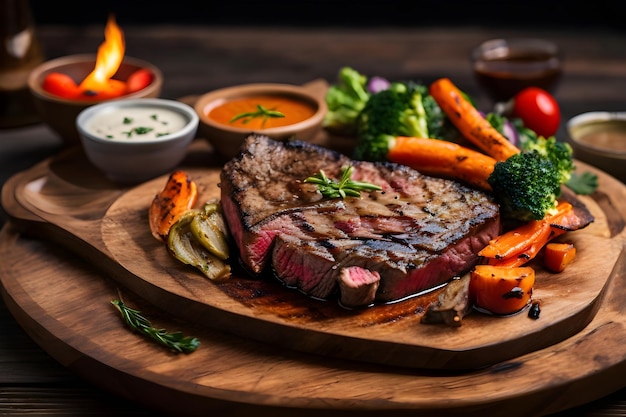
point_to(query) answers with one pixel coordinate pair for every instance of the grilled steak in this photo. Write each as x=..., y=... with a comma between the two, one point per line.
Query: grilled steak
x=414, y=234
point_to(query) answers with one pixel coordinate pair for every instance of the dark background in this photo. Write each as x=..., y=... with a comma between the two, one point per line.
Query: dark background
x=603, y=14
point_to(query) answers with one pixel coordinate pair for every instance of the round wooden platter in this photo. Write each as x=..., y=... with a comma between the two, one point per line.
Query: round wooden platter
x=66, y=201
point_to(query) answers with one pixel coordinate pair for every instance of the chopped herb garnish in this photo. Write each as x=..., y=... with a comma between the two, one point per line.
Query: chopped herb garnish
x=158, y=135
x=154, y=117
x=345, y=187
x=261, y=112
x=175, y=341
x=127, y=120
x=142, y=130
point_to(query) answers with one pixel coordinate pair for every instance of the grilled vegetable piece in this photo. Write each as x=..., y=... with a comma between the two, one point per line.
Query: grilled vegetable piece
x=520, y=245
x=183, y=245
x=442, y=159
x=501, y=290
x=452, y=304
x=470, y=122
x=179, y=195
x=557, y=255
x=209, y=229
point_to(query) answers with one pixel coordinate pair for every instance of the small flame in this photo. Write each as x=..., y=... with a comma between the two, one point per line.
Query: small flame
x=108, y=60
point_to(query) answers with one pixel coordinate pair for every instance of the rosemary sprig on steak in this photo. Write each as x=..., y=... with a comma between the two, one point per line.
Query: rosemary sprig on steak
x=344, y=188
x=175, y=341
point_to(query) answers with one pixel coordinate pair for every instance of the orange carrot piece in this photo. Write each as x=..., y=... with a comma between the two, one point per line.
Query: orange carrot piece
x=520, y=245
x=501, y=290
x=179, y=195
x=515, y=241
x=470, y=122
x=443, y=159
x=557, y=255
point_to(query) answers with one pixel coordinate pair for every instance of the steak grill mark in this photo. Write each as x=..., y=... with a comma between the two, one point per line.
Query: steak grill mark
x=415, y=234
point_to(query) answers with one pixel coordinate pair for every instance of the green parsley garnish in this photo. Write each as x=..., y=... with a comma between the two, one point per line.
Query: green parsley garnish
x=175, y=341
x=345, y=187
x=584, y=183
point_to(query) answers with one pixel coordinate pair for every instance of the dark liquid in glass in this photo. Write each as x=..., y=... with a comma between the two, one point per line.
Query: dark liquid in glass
x=503, y=77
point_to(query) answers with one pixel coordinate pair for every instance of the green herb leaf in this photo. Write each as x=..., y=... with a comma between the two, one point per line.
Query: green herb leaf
x=342, y=189
x=140, y=130
x=261, y=112
x=175, y=341
x=584, y=183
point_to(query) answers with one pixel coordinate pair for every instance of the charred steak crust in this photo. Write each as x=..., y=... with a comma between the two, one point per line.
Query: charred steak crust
x=416, y=233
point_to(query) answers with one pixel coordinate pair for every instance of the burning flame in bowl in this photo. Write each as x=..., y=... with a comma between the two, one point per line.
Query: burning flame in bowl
x=99, y=84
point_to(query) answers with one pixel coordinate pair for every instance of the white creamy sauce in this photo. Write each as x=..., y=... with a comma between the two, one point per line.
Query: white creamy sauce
x=136, y=123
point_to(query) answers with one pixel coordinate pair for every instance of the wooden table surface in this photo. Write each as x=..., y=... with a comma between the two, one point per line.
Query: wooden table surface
x=197, y=59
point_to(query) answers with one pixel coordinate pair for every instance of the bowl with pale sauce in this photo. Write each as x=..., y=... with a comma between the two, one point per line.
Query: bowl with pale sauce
x=599, y=138
x=281, y=111
x=134, y=140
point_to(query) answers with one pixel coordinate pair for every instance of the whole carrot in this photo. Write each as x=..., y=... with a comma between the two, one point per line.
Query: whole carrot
x=443, y=159
x=469, y=121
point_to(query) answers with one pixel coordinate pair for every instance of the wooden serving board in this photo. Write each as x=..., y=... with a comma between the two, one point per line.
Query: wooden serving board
x=64, y=305
x=65, y=200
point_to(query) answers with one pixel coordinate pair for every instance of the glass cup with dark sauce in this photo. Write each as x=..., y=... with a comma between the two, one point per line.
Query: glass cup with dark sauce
x=503, y=67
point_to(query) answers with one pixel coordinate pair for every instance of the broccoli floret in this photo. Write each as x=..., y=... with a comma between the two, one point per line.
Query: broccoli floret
x=526, y=185
x=396, y=111
x=439, y=125
x=345, y=100
x=560, y=153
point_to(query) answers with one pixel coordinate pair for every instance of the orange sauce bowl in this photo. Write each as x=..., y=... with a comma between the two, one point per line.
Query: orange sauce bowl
x=280, y=111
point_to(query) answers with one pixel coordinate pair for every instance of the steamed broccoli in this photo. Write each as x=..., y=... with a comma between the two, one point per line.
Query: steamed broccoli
x=526, y=185
x=345, y=100
x=404, y=109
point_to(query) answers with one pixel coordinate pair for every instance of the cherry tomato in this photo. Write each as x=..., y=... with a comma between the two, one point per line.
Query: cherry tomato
x=538, y=110
x=138, y=80
x=61, y=85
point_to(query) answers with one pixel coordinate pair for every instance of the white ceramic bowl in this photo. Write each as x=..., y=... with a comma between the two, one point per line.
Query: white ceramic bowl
x=60, y=113
x=599, y=138
x=116, y=139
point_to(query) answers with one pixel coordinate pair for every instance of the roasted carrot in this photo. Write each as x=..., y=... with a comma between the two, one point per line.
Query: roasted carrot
x=179, y=195
x=470, y=122
x=557, y=255
x=520, y=245
x=443, y=159
x=501, y=290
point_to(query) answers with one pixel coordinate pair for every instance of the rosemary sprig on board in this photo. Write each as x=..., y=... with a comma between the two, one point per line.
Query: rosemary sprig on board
x=345, y=187
x=175, y=341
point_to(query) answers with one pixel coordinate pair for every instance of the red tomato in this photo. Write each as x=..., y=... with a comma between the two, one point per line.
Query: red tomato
x=538, y=110
x=138, y=80
x=61, y=85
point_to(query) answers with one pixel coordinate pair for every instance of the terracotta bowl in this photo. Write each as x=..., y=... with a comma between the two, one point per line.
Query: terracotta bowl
x=60, y=113
x=134, y=140
x=226, y=138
